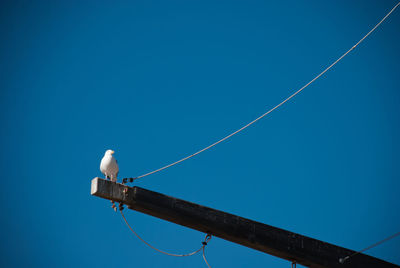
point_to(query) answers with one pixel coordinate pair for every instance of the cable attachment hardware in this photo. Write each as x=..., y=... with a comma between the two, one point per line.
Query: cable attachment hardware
x=342, y=260
x=125, y=180
x=113, y=206
x=125, y=192
x=206, y=239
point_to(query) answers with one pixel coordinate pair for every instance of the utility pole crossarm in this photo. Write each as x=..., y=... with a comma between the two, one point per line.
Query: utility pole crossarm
x=275, y=241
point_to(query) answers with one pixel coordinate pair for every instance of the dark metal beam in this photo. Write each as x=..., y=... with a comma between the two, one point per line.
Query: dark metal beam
x=278, y=242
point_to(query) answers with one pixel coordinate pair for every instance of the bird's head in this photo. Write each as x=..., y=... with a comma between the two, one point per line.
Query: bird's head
x=109, y=152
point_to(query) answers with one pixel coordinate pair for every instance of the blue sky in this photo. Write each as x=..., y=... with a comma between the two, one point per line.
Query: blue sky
x=157, y=80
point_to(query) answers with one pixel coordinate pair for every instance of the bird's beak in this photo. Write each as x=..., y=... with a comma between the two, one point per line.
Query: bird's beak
x=112, y=152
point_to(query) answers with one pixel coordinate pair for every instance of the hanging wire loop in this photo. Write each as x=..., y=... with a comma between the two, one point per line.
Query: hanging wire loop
x=204, y=243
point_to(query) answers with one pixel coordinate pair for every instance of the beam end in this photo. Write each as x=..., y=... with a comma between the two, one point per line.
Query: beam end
x=95, y=186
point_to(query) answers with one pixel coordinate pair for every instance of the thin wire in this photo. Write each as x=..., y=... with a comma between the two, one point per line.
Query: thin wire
x=159, y=250
x=342, y=260
x=277, y=106
x=204, y=258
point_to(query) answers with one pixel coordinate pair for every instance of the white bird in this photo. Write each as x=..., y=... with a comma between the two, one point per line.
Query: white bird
x=109, y=167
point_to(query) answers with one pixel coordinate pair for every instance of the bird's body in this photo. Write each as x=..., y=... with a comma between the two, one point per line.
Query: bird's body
x=109, y=166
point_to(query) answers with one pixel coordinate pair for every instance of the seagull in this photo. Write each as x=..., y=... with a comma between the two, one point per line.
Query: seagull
x=109, y=167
